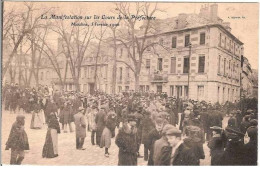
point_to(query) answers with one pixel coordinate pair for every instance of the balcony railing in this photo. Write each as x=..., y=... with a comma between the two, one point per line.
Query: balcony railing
x=157, y=78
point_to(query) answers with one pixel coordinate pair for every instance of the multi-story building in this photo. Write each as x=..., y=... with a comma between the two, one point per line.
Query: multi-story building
x=214, y=58
x=247, y=79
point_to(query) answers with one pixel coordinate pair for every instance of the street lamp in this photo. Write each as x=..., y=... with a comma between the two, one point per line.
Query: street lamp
x=189, y=71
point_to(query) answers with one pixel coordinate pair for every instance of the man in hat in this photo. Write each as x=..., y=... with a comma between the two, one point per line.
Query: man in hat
x=216, y=146
x=204, y=120
x=100, y=121
x=172, y=116
x=80, y=125
x=154, y=134
x=17, y=141
x=139, y=116
x=171, y=136
x=126, y=140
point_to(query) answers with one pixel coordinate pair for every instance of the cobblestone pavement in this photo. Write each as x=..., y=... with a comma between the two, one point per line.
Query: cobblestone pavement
x=68, y=155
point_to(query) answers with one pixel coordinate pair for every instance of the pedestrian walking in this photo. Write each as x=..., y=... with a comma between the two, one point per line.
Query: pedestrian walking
x=80, y=125
x=126, y=140
x=216, y=146
x=17, y=141
x=100, y=121
x=50, y=148
x=108, y=132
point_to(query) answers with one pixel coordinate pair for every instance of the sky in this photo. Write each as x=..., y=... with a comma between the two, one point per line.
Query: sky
x=245, y=28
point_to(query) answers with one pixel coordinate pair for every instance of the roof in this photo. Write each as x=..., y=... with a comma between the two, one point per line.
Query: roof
x=193, y=21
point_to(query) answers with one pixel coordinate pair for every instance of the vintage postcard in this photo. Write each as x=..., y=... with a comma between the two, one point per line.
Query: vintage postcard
x=129, y=83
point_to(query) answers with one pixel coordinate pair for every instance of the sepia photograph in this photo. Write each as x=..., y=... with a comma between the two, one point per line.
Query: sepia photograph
x=129, y=83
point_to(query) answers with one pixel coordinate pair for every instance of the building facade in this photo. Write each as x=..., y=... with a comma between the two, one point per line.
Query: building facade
x=214, y=59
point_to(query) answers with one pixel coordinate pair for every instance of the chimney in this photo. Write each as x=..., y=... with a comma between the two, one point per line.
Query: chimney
x=205, y=12
x=182, y=20
x=214, y=12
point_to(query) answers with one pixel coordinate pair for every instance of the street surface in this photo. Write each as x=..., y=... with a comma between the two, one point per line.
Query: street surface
x=68, y=155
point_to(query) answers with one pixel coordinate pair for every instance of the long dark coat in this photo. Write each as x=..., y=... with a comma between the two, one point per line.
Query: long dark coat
x=188, y=153
x=66, y=115
x=17, y=139
x=48, y=151
x=215, y=119
x=127, y=143
x=152, y=137
x=250, y=153
x=148, y=125
x=80, y=125
x=100, y=121
x=216, y=146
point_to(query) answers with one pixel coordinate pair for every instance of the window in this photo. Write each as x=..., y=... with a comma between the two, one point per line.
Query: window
x=171, y=90
x=120, y=73
x=225, y=43
x=218, y=94
x=202, y=38
x=230, y=45
x=148, y=43
x=148, y=62
x=161, y=41
x=47, y=74
x=229, y=67
x=174, y=42
x=223, y=96
x=126, y=88
x=142, y=87
x=228, y=95
x=186, y=92
x=127, y=72
x=160, y=60
x=220, y=39
x=179, y=91
x=147, y=88
x=224, y=66
x=121, y=52
x=159, y=88
x=201, y=64
x=119, y=89
x=219, y=61
x=186, y=65
x=173, y=65
x=105, y=74
x=187, y=40
x=70, y=86
x=200, y=92
x=41, y=75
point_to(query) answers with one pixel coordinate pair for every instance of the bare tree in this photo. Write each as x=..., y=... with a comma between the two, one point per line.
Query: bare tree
x=100, y=39
x=21, y=25
x=75, y=41
x=134, y=41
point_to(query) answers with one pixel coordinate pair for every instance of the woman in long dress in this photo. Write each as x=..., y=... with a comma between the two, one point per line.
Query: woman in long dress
x=36, y=122
x=50, y=148
x=109, y=131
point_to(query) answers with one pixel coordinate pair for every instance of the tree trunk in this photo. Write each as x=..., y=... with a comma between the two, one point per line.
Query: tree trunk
x=136, y=82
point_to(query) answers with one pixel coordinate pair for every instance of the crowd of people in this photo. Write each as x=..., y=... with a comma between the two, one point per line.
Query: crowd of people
x=171, y=130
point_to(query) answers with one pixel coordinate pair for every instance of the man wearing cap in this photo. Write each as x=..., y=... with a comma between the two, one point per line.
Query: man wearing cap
x=163, y=147
x=80, y=125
